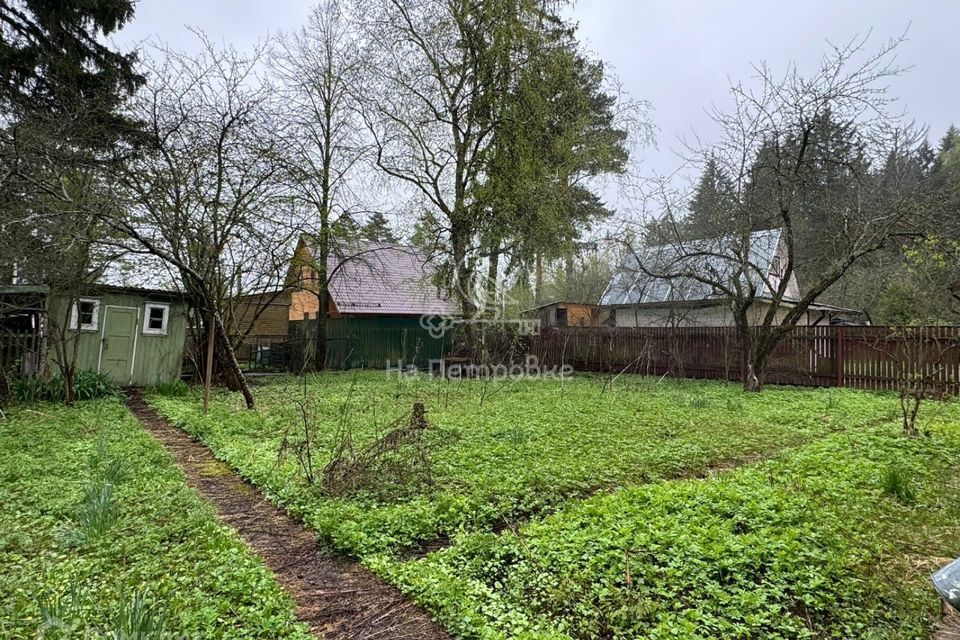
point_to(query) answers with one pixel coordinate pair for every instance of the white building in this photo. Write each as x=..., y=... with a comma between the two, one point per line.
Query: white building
x=676, y=285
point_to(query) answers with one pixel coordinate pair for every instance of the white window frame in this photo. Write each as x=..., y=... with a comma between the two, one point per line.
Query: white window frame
x=162, y=331
x=75, y=315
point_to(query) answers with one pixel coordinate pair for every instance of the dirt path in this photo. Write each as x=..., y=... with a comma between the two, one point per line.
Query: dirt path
x=338, y=598
x=950, y=625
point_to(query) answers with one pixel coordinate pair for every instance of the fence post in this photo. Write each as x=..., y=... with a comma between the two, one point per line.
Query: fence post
x=838, y=348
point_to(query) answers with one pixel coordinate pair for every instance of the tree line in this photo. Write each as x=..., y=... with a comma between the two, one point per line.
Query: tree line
x=866, y=209
x=485, y=119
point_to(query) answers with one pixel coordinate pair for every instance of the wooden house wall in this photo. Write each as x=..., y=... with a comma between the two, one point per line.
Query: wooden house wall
x=157, y=358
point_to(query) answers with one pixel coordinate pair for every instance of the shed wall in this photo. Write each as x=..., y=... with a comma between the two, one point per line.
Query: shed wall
x=156, y=358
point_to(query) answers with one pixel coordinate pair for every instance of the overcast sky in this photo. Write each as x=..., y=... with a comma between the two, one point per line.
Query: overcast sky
x=679, y=55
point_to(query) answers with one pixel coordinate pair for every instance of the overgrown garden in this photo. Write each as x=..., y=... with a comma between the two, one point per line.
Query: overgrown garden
x=100, y=536
x=623, y=508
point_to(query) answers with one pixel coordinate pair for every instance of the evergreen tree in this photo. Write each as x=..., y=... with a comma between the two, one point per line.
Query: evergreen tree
x=559, y=131
x=377, y=229
x=711, y=208
x=52, y=62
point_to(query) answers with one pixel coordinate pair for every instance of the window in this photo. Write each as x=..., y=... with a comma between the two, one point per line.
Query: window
x=561, y=317
x=85, y=315
x=155, y=319
x=777, y=268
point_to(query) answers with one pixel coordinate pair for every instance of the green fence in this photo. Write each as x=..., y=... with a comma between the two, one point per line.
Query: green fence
x=369, y=343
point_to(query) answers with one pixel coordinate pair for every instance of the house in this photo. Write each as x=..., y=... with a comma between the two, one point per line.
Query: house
x=637, y=297
x=134, y=335
x=568, y=314
x=369, y=280
x=378, y=295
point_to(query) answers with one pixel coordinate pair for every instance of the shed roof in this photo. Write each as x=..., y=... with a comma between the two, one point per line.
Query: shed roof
x=376, y=278
x=718, y=259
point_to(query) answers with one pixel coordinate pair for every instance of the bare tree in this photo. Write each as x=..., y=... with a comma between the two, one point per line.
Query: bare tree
x=318, y=68
x=800, y=154
x=204, y=196
x=435, y=78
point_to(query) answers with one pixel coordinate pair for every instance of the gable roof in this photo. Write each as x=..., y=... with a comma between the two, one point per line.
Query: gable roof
x=716, y=258
x=377, y=278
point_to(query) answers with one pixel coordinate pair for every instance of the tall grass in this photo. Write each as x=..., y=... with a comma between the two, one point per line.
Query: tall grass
x=896, y=482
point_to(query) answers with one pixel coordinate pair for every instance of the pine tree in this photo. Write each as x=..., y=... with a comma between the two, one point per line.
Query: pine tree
x=711, y=208
x=559, y=131
x=377, y=229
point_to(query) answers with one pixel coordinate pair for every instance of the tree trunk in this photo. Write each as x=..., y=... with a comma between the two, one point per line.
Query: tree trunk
x=69, y=386
x=463, y=277
x=538, y=279
x=752, y=362
x=236, y=381
x=227, y=369
x=323, y=294
x=493, y=270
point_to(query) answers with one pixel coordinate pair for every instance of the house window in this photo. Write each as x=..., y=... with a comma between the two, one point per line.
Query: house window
x=85, y=315
x=777, y=268
x=155, y=319
x=561, y=317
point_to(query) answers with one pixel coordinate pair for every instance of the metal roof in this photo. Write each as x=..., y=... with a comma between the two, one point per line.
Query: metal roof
x=718, y=259
x=375, y=278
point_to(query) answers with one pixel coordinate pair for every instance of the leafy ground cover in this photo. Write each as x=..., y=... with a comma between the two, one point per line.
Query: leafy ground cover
x=506, y=450
x=101, y=537
x=817, y=543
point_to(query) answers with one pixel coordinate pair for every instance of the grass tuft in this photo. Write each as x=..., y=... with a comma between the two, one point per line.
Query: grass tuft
x=896, y=482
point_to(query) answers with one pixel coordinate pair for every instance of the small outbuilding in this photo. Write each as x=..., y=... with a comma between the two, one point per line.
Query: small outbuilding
x=133, y=335
x=569, y=314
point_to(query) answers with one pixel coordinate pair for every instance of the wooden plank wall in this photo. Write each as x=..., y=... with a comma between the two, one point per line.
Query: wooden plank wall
x=875, y=358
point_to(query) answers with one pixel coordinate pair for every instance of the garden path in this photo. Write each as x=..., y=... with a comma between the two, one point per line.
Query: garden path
x=335, y=596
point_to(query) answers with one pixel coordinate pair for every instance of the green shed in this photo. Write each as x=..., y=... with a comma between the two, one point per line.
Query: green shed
x=135, y=336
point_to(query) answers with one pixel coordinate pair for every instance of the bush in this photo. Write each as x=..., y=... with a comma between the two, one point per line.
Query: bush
x=896, y=482
x=172, y=389
x=88, y=385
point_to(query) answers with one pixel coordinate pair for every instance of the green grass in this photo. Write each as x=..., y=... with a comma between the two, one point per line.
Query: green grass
x=100, y=533
x=625, y=518
x=508, y=449
x=809, y=545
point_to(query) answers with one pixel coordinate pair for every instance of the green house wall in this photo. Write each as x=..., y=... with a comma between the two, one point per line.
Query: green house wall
x=156, y=358
x=374, y=342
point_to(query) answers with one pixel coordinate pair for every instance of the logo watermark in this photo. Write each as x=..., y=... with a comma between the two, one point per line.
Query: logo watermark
x=439, y=326
x=490, y=309
x=530, y=368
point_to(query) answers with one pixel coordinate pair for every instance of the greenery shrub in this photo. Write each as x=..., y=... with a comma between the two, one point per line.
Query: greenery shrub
x=88, y=385
x=98, y=513
x=136, y=618
x=172, y=389
x=896, y=482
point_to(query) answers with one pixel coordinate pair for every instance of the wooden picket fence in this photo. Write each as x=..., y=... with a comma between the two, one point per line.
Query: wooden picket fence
x=876, y=358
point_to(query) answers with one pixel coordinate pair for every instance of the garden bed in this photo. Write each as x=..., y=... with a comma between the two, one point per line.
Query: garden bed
x=634, y=508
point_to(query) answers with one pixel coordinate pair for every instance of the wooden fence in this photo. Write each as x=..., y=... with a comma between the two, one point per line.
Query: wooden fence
x=876, y=358
x=21, y=352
